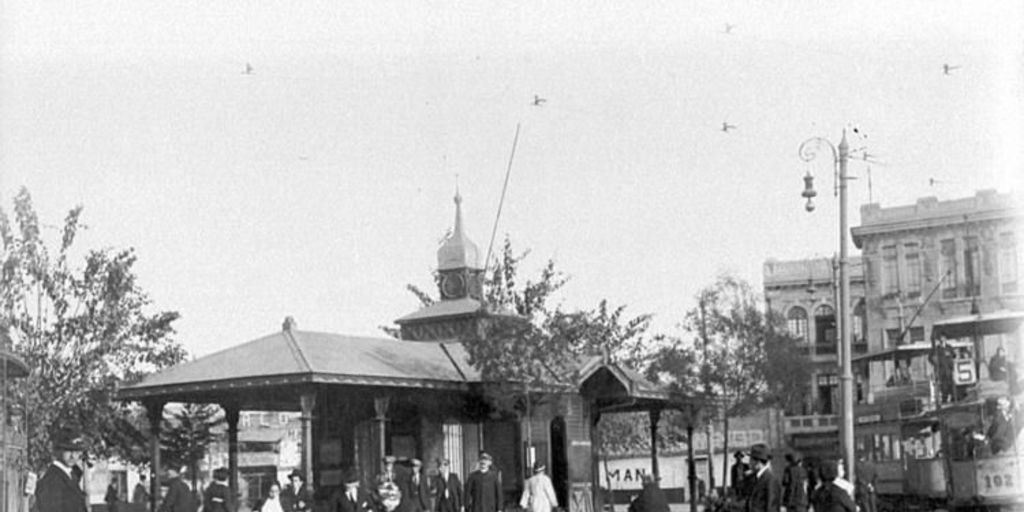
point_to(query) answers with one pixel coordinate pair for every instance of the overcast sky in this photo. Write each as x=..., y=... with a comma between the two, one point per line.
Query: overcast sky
x=319, y=185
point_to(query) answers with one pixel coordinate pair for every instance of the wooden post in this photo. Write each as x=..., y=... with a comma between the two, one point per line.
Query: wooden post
x=231, y=414
x=655, y=417
x=155, y=414
x=308, y=402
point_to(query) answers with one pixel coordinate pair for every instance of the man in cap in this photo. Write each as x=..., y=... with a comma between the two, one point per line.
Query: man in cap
x=352, y=498
x=765, y=488
x=447, y=488
x=483, y=487
x=57, y=491
x=415, y=489
x=297, y=496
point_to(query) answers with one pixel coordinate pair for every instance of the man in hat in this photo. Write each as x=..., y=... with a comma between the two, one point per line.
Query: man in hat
x=351, y=498
x=738, y=475
x=765, y=488
x=178, y=498
x=217, y=497
x=297, y=496
x=57, y=491
x=415, y=489
x=447, y=488
x=483, y=487
x=141, y=493
x=794, y=485
x=538, y=493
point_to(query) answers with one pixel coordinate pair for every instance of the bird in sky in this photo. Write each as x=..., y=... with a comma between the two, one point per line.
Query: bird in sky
x=538, y=101
x=729, y=27
x=248, y=69
x=726, y=126
x=946, y=68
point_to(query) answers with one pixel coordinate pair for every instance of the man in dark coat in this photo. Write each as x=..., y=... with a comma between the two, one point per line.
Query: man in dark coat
x=351, y=498
x=651, y=499
x=1002, y=432
x=179, y=496
x=415, y=489
x=447, y=488
x=738, y=475
x=217, y=497
x=794, y=486
x=831, y=497
x=57, y=491
x=297, y=496
x=483, y=488
x=765, y=488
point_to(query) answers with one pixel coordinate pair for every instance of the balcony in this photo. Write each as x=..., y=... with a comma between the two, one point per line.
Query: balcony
x=810, y=424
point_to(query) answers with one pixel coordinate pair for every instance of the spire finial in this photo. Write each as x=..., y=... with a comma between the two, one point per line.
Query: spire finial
x=843, y=144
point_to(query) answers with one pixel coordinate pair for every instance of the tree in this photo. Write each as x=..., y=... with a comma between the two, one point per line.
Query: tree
x=187, y=432
x=737, y=355
x=82, y=329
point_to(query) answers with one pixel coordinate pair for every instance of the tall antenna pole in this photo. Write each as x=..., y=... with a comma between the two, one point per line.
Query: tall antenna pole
x=501, y=202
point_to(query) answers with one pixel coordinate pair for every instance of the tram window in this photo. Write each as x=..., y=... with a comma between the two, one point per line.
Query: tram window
x=897, y=449
x=885, y=451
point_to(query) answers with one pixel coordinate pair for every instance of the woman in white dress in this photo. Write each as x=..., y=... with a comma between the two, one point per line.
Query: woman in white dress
x=539, y=494
x=272, y=503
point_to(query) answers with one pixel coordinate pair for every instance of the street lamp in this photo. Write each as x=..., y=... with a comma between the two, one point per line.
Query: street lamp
x=809, y=151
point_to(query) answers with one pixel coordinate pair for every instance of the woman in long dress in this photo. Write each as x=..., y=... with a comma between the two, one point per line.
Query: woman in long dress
x=539, y=494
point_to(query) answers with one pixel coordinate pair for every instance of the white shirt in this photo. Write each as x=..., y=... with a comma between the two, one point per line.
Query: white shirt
x=272, y=505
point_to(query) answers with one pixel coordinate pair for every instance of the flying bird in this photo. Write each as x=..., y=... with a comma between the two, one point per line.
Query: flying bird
x=248, y=69
x=729, y=27
x=726, y=127
x=538, y=101
x=946, y=68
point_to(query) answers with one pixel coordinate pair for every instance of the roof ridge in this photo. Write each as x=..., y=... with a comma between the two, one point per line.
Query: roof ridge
x=297, y=353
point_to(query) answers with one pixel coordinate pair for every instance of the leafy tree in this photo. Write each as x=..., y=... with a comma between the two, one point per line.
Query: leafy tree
x=82, y=328
x=187, y=432
x=736, y=355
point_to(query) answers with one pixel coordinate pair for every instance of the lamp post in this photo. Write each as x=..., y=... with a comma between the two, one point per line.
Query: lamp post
x=809, y=151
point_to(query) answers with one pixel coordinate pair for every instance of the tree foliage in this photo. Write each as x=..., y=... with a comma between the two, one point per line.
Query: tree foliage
x=187, y=432
x=83, y=327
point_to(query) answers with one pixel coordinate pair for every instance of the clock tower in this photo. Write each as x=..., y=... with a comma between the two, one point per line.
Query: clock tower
x=460, y=274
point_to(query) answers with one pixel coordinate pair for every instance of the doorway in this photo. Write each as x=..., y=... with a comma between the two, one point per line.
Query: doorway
x=559, y=461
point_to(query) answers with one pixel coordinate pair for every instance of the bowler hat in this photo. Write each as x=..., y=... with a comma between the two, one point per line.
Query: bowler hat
x=297, y=473
x=352, y=476
x=486, y=456
x=69, y=443
x=416, y=462
x=760, y=452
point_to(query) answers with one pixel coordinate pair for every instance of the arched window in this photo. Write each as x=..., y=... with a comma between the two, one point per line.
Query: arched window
x=825, y=329
x=796, y=321
x=859, y=325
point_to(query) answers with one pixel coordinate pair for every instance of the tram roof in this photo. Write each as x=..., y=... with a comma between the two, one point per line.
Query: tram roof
x=905, y=351
x=981, y=324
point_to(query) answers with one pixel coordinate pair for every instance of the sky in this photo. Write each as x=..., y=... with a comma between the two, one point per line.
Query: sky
x=320, y=184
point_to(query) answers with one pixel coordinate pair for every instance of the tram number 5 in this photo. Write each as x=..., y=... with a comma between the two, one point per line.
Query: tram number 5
x=998, y=481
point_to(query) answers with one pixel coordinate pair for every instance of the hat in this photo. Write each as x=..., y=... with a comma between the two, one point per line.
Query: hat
x=760, y=452
x=69, y=442
x=352, y=476
x=389, y=459
x=539, y=466
x=416, y=462
x=443, y=462
x=739, y=454
x=297, y=473
x=486, y=456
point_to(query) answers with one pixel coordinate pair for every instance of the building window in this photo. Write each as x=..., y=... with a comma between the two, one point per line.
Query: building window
x=972, y=266
x=828, y=387
x=890, y=271
x=947, y=267
x=912, y=270
x=857, y=327
x=1009, y=265
x=825, y=329
x=913, y=335
x=796, y=322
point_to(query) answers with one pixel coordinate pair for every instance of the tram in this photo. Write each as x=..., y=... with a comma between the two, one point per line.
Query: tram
x=923, y=434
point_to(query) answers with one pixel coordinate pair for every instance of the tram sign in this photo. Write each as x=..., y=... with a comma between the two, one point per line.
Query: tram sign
x=963, y=372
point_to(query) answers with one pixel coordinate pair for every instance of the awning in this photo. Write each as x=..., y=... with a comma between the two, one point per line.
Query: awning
x=906, y=351
x=997, y=322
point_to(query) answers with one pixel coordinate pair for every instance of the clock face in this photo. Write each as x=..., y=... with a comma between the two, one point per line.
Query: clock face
x=454, y=285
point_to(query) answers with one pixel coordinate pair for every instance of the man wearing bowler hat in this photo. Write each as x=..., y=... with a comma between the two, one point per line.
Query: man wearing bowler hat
x=57, y=491
x=351, y=498
x=297, y=496
x=483, y=487
x=765, y=491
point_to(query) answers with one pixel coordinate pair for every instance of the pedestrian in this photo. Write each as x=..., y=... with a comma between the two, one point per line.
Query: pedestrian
x=538, y=493
x=179, y=497
x=651, y=498
x=794, y=485
x=351, y=498
x=765, y=488
x=111, y=497
x=297, y=496
x=1003, y=429
x=387, y=494
x=866, y=494
x=57, y=490
x=217, y=497
x=830, y=497
x=997, y=369
x=738, y=475
x=140, y=495
x=415, y=489
x=483, y=487
x=447, y=488
x=272, y=503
